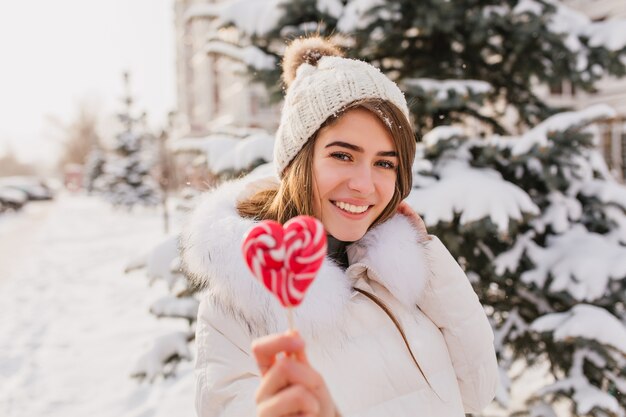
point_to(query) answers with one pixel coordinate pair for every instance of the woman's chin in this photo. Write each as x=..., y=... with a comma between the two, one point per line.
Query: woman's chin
x=347, y=235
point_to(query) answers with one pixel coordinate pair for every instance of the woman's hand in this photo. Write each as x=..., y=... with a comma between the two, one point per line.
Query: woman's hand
x=289, y=385
x=416, y=221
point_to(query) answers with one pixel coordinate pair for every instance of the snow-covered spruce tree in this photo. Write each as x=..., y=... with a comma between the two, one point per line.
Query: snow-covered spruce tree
x=94, y=168
x=162, y=263
x=540, y=226
x=451, y=57
x=126, y=179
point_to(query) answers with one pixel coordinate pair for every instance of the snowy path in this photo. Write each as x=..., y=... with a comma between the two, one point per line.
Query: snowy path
x=72, y=324
x=18, y=232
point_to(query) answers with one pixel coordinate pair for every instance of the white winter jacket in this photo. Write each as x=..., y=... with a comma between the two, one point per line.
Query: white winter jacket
x=350, y=340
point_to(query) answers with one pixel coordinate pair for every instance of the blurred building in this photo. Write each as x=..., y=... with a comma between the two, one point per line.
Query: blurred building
x=611, y=91
x=213, y=89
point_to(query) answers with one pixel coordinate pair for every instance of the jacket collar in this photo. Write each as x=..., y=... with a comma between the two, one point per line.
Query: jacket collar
x=211, y=252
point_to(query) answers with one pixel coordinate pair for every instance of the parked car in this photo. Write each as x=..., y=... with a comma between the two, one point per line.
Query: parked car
x=34, y=187
x=11, y=199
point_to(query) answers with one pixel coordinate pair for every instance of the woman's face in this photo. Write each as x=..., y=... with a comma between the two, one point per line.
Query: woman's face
x=354, y=173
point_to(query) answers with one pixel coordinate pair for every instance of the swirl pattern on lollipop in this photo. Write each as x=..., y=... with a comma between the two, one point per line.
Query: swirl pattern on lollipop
x=287, y=259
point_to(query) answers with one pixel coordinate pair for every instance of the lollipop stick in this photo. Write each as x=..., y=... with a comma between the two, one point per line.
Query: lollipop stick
x=290, y=318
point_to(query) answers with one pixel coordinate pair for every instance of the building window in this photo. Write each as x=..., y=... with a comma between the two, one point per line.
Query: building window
x=564, y=89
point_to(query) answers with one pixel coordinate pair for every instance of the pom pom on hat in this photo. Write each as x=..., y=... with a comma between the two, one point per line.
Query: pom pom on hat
x=306, y=50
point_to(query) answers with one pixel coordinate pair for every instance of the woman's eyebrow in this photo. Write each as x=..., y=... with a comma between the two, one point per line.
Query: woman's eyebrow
x=359, y=149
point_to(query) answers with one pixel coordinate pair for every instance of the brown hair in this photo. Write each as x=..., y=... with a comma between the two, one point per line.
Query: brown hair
x=294, y=196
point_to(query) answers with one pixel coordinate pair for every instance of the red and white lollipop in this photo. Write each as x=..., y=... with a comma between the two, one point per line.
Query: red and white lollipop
x=286, y=259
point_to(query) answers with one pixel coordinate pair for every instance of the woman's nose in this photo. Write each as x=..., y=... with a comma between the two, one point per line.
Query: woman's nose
x=361, y=180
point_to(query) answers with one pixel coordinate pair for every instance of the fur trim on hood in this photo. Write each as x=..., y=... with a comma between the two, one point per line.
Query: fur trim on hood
x=211, y=252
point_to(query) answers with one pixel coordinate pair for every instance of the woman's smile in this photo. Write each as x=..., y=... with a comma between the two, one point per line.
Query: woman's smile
x=350, y=210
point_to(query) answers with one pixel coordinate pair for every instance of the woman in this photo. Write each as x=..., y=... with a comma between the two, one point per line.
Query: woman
x=391, y=323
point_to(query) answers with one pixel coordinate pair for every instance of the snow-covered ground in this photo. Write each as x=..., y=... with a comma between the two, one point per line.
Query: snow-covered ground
x=72, y=325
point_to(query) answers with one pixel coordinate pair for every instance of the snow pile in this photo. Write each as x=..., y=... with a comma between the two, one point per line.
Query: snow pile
x=442, y=88
x=73, y=324
x=474, y=193
x=579, y=262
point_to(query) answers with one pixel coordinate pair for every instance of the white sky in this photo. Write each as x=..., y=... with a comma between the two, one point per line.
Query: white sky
x=55, y=54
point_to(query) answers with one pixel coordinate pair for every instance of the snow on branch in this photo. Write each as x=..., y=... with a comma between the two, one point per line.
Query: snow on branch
x=585, y=396
x=608, y=192
x=609, y=34
x=355, y=15
x=160, y=260
x=560, y=213
x=202, y=11
x=166, y=349
x=512, y=327
x=474, y=193
x=249, y=55
x=175, y=307
x=582, y=322
x=580, y=262
x=253, y=17
x=617, y=215
x=225, y=152
x=538, y=136
x=333, y=8
x=528, y=6
x=442, y=133
x=138, y=262
x=541, y=409
x=574, y=25
x=509, y=261
x=442, y=88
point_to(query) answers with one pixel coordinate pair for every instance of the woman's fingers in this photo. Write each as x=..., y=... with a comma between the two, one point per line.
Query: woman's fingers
x=293, y=400
x=285, y=369
x=266, y=348
x=286, y=372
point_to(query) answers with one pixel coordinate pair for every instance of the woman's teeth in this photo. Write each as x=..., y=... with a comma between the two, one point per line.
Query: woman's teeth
x=350, y=208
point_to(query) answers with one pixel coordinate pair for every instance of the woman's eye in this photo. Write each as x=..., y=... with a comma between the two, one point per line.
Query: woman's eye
x=341, y=156
x=386, y=164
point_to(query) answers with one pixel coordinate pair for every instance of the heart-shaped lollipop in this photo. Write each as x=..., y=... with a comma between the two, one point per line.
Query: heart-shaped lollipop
x=286, y=259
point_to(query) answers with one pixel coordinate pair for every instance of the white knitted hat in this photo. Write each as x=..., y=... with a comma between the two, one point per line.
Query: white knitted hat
x=321, y=90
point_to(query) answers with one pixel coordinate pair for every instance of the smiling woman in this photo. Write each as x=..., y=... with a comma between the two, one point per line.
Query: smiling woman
x=392, y=325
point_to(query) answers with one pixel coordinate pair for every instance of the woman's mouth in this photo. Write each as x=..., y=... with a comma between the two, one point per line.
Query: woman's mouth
x=350, y=208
